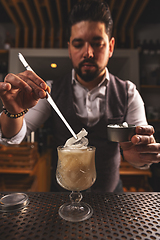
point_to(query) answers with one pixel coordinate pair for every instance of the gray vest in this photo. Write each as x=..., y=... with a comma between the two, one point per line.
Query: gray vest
x=107, y=153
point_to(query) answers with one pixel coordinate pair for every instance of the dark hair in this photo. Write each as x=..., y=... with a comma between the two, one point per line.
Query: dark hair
x=91, y=10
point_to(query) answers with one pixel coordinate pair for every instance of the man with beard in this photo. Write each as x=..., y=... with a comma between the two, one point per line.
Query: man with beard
x=90, y=97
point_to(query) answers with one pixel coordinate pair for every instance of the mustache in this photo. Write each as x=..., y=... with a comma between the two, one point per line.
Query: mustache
x=87, y=61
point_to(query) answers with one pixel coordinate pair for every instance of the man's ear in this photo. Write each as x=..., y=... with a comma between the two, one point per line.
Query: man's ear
x=69, y=49
x=111, y=46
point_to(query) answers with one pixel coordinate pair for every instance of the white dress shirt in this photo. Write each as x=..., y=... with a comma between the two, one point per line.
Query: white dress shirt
x=90, y=106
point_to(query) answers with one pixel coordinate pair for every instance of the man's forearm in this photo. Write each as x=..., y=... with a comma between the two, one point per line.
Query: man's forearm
x=9, y=126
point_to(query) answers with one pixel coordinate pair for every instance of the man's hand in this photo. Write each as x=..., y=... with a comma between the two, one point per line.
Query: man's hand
x=143, y=148
x=22, y=91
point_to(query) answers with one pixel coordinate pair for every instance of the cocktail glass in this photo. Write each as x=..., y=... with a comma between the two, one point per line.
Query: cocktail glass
x=76, y=172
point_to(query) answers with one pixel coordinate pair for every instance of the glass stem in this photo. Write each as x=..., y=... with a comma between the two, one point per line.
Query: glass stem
x=75, y=197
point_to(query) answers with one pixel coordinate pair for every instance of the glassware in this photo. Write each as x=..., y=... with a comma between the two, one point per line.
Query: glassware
x=76, y=172
x=13, y=202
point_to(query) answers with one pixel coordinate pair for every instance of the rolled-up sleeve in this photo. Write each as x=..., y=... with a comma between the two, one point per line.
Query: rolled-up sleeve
x=17, y=139
x=136, y=110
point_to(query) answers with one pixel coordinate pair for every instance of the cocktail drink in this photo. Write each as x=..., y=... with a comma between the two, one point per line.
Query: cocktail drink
x=76, y=168
x=76, y=172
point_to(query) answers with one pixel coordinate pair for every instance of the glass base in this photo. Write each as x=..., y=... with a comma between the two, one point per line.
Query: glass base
x=75, y=212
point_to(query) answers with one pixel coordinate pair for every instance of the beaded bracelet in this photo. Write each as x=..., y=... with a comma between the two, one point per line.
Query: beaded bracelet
x=10, y=115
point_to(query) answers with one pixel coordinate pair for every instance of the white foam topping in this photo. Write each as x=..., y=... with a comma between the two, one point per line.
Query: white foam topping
x=123, y=125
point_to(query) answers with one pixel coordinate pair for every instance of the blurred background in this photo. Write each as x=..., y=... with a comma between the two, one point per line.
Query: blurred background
x=38, y=29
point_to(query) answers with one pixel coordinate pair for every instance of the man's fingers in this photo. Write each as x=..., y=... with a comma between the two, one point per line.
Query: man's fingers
x=15, y=81
x=150, y=148
x=148, y=153
x=23, y=82
x=150, y=157
x=145, y=130
x=35, y=79
x=142, y=139
x=38, y=92
x=4, y=87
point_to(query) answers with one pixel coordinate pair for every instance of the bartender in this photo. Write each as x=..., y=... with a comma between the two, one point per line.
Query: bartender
x=89, y=97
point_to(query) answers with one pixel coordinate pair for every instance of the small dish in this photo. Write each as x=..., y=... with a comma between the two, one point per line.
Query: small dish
x=120, y=132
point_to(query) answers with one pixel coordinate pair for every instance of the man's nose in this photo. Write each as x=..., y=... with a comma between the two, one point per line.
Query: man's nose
x=88, y=52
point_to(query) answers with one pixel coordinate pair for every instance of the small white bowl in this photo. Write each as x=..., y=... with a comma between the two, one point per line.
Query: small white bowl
x=120, y=133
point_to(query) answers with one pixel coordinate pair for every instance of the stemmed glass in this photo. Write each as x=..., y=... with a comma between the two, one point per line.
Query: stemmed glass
x=76, y=172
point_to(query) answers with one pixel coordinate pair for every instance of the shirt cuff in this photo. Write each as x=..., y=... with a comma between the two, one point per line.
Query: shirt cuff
x=17, y=139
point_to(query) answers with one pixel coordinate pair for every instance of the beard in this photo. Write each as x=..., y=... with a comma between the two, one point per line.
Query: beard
x=88, y=75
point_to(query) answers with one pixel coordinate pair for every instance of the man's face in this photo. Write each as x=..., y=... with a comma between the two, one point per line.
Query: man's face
x=89, y=49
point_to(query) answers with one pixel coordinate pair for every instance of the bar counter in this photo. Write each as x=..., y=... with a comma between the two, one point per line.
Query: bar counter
x=116, y=216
